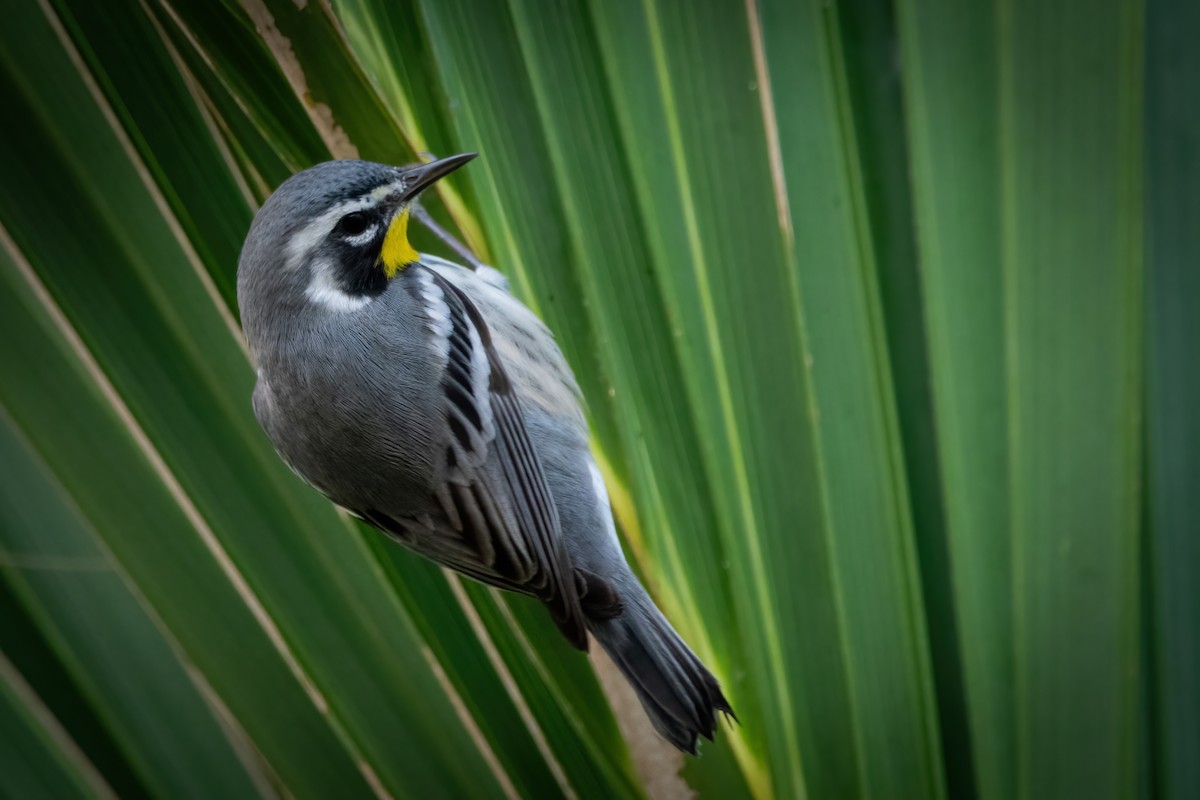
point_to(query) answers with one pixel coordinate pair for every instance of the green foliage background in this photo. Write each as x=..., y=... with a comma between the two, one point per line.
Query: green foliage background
x=887, y=316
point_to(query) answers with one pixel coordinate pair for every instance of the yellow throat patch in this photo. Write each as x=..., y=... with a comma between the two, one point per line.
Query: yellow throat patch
x=397, y=253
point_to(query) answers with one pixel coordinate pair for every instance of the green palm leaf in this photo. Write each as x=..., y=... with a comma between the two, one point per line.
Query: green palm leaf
x=883, y=318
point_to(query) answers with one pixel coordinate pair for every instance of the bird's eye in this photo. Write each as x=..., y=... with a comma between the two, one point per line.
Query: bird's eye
x=353, y=224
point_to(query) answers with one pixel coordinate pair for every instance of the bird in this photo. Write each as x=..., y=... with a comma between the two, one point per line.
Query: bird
x=423, y=398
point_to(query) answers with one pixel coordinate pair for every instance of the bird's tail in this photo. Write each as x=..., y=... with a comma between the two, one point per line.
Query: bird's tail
x=680, y=695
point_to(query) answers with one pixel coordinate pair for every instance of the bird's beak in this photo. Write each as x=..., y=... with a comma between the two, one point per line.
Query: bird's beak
x=396, y=252
x=420, y=178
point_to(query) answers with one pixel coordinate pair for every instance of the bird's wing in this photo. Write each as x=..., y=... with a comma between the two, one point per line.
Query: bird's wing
x=502, y=522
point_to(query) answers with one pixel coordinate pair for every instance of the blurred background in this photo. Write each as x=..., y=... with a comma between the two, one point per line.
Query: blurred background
x=886, y=314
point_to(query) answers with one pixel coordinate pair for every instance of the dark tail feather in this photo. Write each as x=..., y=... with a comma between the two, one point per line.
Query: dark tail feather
x=680, y=695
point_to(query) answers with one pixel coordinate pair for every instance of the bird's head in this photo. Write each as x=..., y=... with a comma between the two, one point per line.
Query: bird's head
x=335, y=234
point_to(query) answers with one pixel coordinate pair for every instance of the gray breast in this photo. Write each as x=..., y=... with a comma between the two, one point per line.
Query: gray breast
x=348, y=402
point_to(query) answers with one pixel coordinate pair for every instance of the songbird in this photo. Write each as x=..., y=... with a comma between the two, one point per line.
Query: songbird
x=423, y=398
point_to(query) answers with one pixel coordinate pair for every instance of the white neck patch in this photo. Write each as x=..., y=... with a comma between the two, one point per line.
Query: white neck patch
x=324, y=291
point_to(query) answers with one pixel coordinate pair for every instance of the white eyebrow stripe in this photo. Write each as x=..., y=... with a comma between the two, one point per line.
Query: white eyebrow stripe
x=380, y=192
x=308, y=237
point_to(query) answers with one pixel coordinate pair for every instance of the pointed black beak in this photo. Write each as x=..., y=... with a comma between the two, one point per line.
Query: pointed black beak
x=420, y=178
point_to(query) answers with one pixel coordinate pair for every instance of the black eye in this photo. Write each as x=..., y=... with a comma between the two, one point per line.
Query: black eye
x=353, y=224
